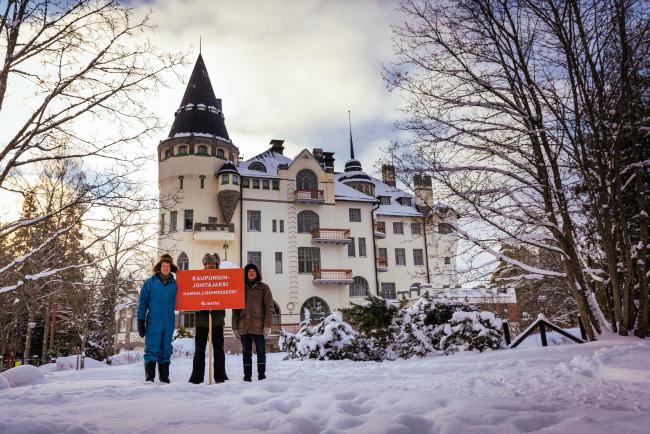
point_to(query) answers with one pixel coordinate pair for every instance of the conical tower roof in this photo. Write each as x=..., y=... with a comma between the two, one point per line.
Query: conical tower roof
x=200, y=111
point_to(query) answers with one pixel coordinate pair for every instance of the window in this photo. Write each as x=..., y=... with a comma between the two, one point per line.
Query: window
x=225, y=179
x=180, y=182
x=173, y=217
x=161, y=230
x=384, y=200
x=317, y=308
x=444, y=228
x=202, y=178
x=168, y=153
x=382, y=253
x=388, y=290
x=202, y=150
x=308, y=259
x=265, y=184
x=400, y=256
x=235, y=180
x=134, y=321
x=245, y=183
x=416, y=229
x=306, y=180
x=277, y=314
x=359, y=287
x=275, y=184
x=275, y=225
x=362, y=247
x=221, y=154
x=447, y=260
x=212, y=220
x=281, y=225
x=406, y=201
x=187, y=319
x=257, y=166
x=398, y=228
x=182, y=150
x=255, y=258
x=278, y=262
x=418, y=257
x=307, y=221
x=355, y=215
x=183, y=262
x=254, y=221
x=351, y=252
x=122, y=326
x=189, y=219
x=256, y=183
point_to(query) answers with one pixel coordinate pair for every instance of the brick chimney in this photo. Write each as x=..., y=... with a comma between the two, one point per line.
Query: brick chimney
x=277, y=146
x=423, y=193
x=388, y=174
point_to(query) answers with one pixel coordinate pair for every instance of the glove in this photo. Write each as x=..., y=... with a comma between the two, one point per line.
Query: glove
x=267, y=332
x=142, y=328
x=235, y=333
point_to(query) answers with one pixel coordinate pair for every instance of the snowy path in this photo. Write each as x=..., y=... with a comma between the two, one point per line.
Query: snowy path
x=602, y=387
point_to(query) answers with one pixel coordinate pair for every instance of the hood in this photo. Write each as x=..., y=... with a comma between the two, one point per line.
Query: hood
x=253, y=266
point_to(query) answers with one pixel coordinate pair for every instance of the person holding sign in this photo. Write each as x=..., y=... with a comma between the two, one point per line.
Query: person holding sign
x=210, y=262
x=253, y=323
x=156, y=318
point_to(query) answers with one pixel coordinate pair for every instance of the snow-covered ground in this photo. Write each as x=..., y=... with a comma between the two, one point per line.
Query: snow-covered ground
x=601, y=387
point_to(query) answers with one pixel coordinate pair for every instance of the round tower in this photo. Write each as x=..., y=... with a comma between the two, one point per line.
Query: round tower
x=194, y=218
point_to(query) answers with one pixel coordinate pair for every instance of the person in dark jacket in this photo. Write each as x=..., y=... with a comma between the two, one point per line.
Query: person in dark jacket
x=156, y=318
x=210, y=262
x=253, y=323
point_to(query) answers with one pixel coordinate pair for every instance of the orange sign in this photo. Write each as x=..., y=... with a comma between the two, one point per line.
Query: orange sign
x=210, y=289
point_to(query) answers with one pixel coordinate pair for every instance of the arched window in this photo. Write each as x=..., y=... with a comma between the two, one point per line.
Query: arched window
x=306, y=180
x=180, y=182
x=168, y=153
x=182, y=150
x=307, y=221
x=359, y=287
x=220, y=153
x=202, y=150
x=317, y=307
x=202, y=178
x=257, y=166
x=277, y=315
x=183, y=262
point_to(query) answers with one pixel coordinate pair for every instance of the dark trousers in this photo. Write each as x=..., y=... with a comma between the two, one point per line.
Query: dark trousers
x=247, y=352
x=198, y=365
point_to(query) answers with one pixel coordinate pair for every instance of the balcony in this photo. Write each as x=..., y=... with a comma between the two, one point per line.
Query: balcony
x=310, y=196
x=382, y=264
x=214, y=232
x=330, y=236
x=325, y=276
x=380, y=230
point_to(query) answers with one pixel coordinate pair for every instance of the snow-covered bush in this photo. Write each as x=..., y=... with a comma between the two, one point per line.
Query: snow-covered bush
x=21, y=376
x=127, y=358
x=329, y=340
x=183, y=347
x=471, y=331
x=182, y=332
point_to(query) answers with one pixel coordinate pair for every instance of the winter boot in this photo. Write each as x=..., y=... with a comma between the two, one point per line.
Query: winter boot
x=248, y=373
x=261, y=371
x=163, y=372
x=150, y=371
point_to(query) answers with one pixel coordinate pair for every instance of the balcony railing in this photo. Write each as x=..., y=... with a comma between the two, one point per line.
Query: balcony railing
x=332, y=276
x=380, y=230
x=310, y=196
x=214, y=231
x=331, y=236
x=382, y=264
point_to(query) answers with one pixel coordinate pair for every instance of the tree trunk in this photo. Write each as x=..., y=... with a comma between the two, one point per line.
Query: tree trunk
x=46, y=328
x=28, y=336
x=642, y=253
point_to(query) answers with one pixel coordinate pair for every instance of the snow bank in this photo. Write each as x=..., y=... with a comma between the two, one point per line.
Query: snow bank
x=127, y=358
x=21, y=376
x=69, y=363
x=183, y=347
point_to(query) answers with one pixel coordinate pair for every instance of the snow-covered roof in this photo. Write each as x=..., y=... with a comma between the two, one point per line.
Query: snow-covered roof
x=343, y=192
x=270, y=159
x=383, y=189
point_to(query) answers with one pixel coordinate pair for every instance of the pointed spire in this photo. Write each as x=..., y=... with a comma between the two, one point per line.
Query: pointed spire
x=351, y=144
x=200, y=110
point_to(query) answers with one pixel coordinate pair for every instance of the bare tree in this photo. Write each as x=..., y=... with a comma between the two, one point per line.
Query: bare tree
x=518, y=110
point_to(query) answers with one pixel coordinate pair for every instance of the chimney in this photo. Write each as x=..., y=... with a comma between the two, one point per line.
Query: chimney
x=328, y=161
x=277, y=146
x=319, y=155
x=423, y=193
x=388, y=174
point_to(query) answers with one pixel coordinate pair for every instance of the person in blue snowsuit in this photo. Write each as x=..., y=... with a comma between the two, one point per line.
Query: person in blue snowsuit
x=156, y=318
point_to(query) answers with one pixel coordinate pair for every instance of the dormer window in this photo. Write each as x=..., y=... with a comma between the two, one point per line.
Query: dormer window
x=405, y=201
x=182, y=150
x=384, y=200
x=202, y=150
x=257, y=166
